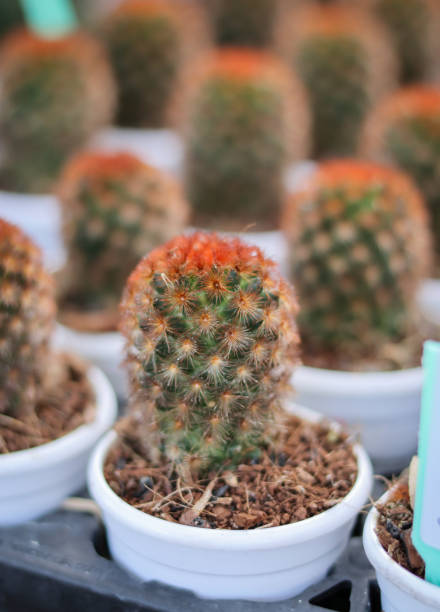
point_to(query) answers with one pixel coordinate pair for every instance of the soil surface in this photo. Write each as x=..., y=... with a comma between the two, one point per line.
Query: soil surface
x=312, y=469
x=394, y=530
x=65, y=404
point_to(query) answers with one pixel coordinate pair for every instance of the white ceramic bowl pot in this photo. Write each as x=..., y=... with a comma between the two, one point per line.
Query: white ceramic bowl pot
x=259, y=565
x=40, y=218
x=104, y=349
x=35, y=481
x=429, y=300
x=401, y=591
x=383, y=407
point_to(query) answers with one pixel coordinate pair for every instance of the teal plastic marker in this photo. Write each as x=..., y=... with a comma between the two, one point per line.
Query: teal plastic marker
x=50, y=18
x=426, y=528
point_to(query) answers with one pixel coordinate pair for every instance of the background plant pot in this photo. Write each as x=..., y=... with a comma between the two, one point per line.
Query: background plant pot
x=401, y=591
x=160, y=148
x=40, y=218
x=105, y=349
x=36, y=480
x=383, y=407
x=429, y=300
x=259, y=565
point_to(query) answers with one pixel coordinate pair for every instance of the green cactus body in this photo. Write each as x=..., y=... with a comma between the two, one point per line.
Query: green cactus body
x=11, y=16
x=239, y=138
x=27, y=314
x=54, y=94
x=405, y=130
x=115, y=209
x=211, y=342
x=144, y=40
x=360, y=246
x=244, y=22
x=345, y=63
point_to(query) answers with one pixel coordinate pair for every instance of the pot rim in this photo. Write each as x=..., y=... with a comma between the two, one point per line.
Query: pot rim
x=111, y=338
x=221, y=539
x=392, y=571
x=73, y=443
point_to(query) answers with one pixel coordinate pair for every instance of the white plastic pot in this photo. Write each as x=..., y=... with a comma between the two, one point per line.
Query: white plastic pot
x=106, y=350
x=39, y=217
x=161, y=148
x=429, y=300
x=383, y=407
x=35, y=481
x=401, y=591
x=259, y=565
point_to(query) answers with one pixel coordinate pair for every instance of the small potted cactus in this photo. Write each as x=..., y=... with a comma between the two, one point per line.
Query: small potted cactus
x=210, y=342
x=149, y=42
x=115, y=209
x=52, y=409
x=53, y=94
x=405, y=130
x=345, y=62
x=244, y=118
x=359, y=248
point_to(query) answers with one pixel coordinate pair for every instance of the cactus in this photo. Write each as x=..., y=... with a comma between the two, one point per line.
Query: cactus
x=360, y=246
x=245, y=117
x=27, y=314
x=211, y=342
x=53, y=94
x=345, y=62
x=115, y=210
x=405, y=130
x=145, y=40
x=247, y=22
x=11, y=16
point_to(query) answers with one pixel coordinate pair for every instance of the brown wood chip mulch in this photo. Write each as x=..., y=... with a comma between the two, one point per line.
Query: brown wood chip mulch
x=313, y=469
x=65, y=405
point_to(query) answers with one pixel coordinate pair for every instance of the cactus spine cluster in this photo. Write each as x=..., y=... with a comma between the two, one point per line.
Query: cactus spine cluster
x=245, y=22
x=345, y=62
x=145, y=43
x=244, y=117
x=54, y=93
x=27, y=314
x=211, y=342
x=360, y=246
x=405, y=130
x=115, y=210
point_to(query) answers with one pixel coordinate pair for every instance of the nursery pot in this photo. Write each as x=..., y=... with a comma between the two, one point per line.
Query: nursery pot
x=429, y=300
x=39, y=217
x=401, y=591
x=161, y=148
x=384, y=407
x=260, y=565
x=36, y=480
x=104, y=349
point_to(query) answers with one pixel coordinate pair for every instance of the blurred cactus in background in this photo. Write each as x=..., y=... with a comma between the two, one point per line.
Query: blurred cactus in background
x=360, y=246
x=211, y=342
x=115, y=210
x=54, y=93
x=27, y=316
x=148, y=41
x=405, y=130
x=11, y=16
x=345, y=62
x=243, y=22
x=244, y=118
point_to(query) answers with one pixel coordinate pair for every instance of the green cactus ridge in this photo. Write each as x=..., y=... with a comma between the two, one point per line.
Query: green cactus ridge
x=247, y=22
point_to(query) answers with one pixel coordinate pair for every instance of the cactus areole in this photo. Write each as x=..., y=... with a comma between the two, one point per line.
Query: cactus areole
x=211, y=341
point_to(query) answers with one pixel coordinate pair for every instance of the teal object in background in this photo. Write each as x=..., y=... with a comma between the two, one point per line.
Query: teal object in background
x=426, y=529
x=50, y=18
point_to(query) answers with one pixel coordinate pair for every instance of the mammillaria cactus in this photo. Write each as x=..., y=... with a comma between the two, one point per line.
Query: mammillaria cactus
x=345, y=62
x=27, y=315
x=54, y=94
x=244, y=117
x=360, y=246
x=405, y=130
x=211, y=342
x=147, y=42
x=247, y=22
x=115, y=209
